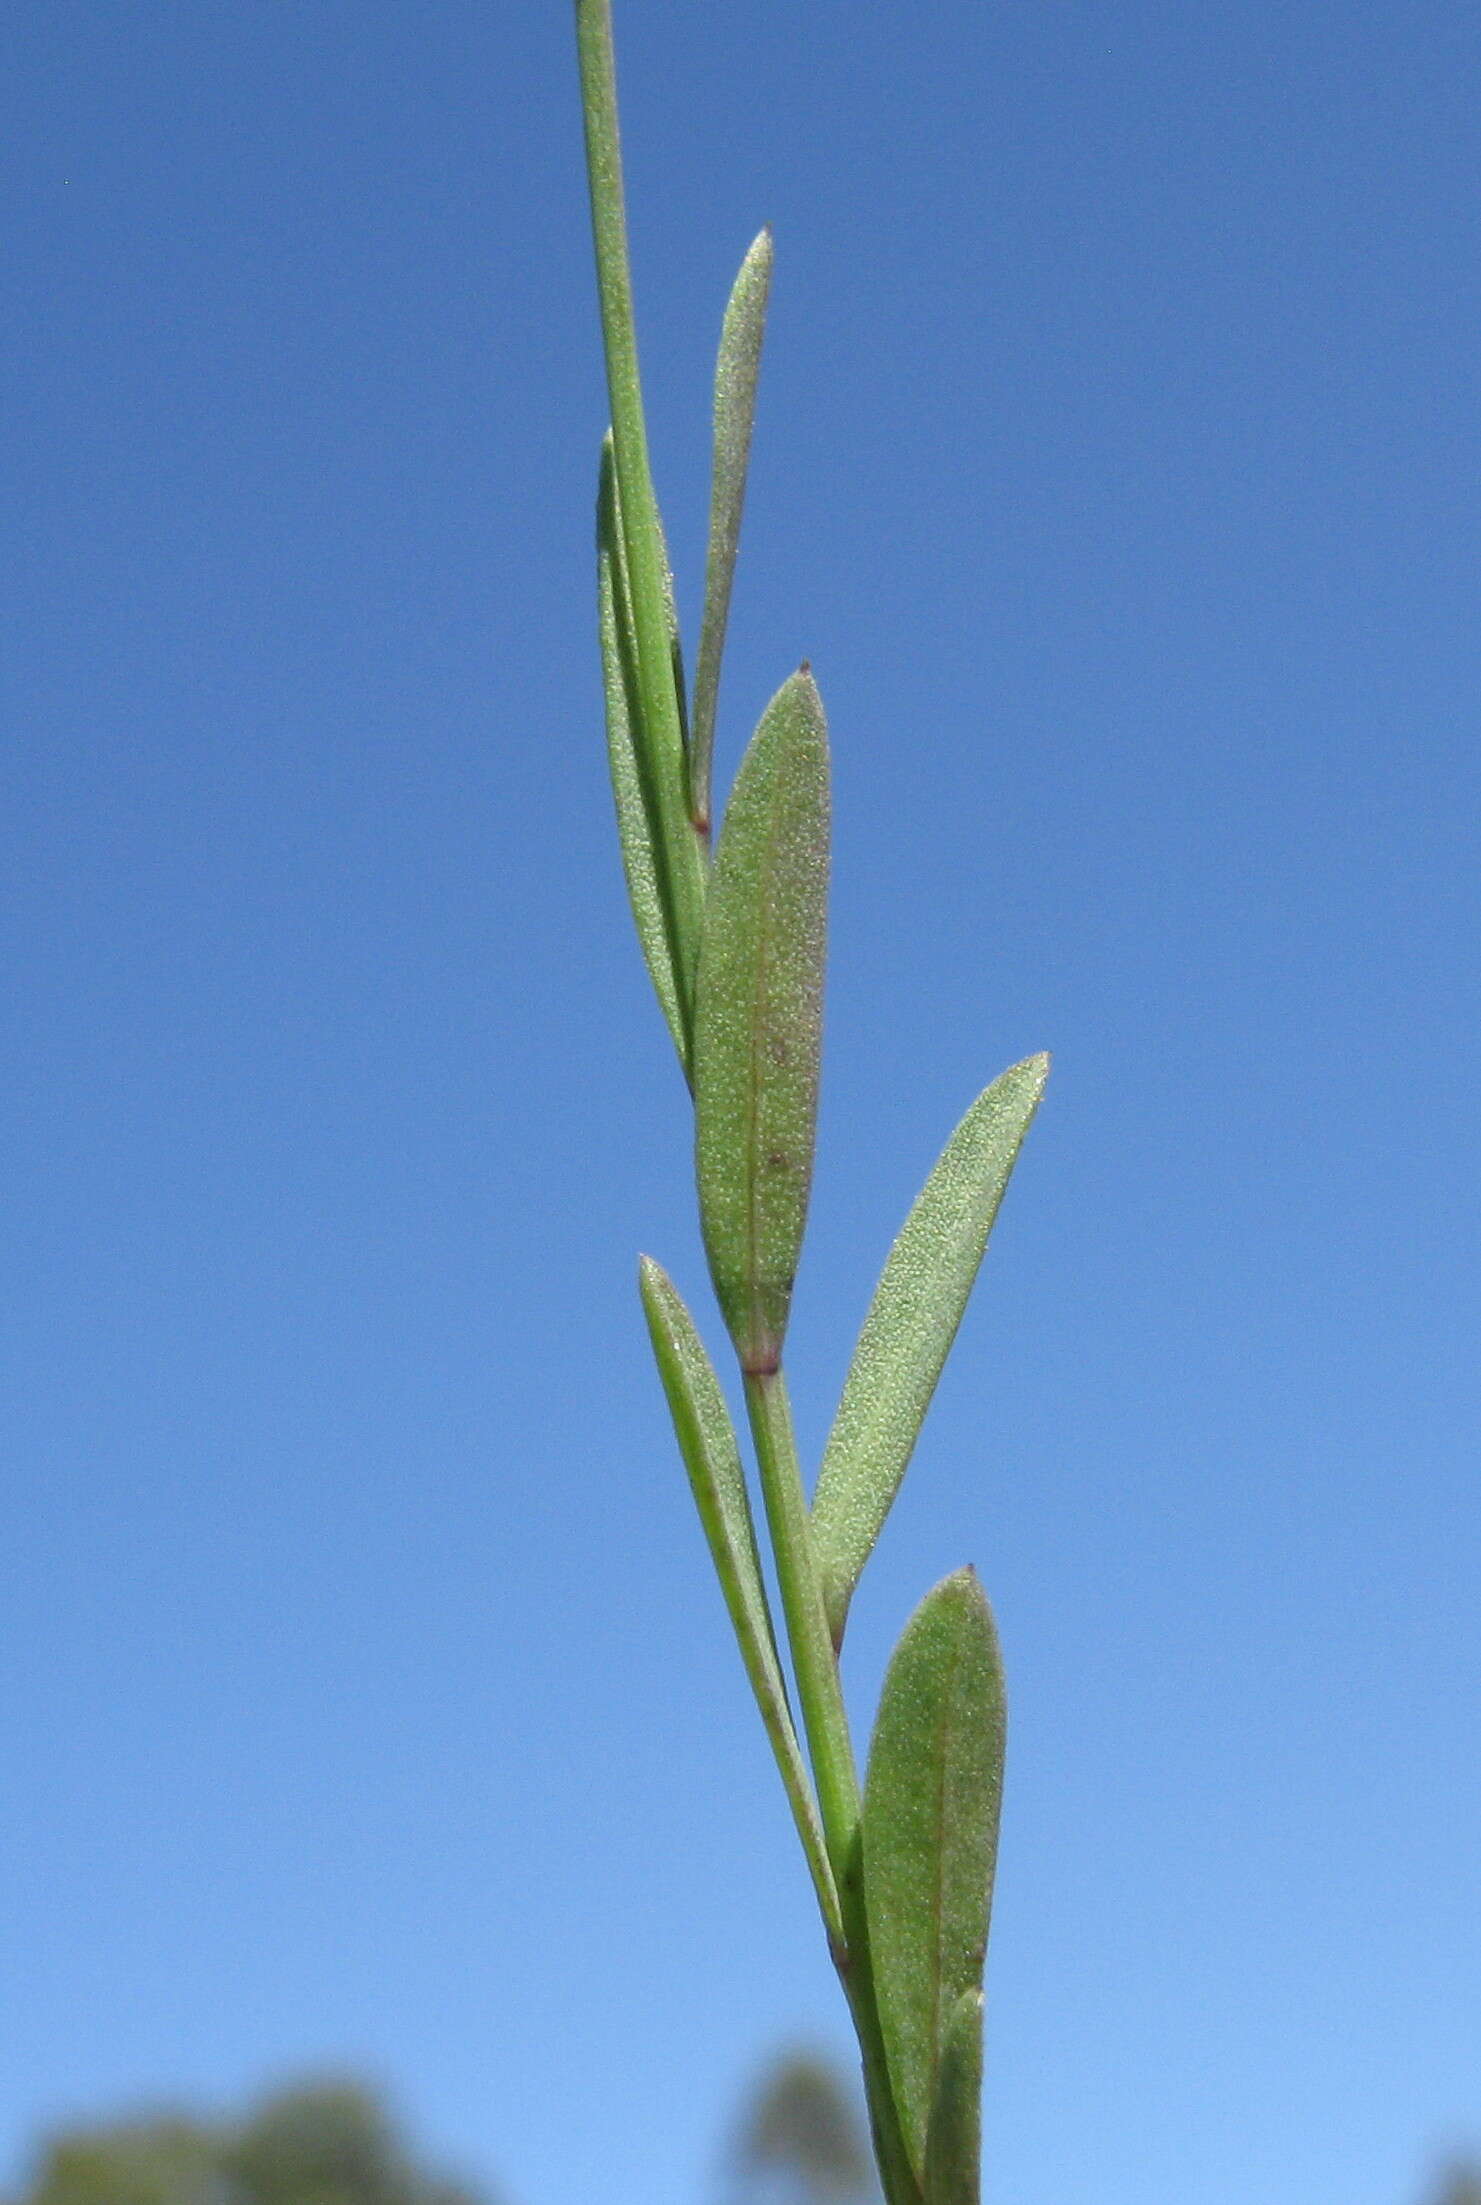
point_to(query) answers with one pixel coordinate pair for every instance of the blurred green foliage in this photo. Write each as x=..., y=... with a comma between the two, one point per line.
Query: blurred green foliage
x=330, y=2143
x=801, y=2140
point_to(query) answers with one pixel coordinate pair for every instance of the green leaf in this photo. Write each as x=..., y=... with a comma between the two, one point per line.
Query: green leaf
x=758, y=1012
x=911, y=1324
x=658, y=726
x=712, y=1457
x=637, y=825
x=736, y=373
x=954, y=2138
x=930, y=1835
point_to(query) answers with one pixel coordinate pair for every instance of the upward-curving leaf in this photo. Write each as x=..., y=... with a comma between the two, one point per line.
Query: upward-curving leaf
x=758, y=1012
x=737, y=371
x=930, y=1837
x=908, y=1332
x=712, y=1457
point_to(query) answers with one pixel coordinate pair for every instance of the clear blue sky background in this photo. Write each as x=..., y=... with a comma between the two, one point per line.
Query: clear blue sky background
x=366, y=1698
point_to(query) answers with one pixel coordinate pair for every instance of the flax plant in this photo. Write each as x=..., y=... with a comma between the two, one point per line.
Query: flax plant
x=901, y=1862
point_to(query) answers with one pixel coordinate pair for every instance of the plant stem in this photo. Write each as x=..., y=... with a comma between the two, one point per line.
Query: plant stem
x=818, y=1686
x=683, y=868
x=825, y=1720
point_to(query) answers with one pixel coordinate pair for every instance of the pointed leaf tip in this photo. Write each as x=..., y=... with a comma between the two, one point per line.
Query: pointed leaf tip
x=737, y=374
x=912, y=1321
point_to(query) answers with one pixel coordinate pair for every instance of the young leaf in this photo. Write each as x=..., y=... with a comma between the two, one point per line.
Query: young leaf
x=708, y=1444
x=911, y=1324
x=954, y=2137
x=736, y=372
x=930, y=1836
x=642, y=855
x=758, y=1011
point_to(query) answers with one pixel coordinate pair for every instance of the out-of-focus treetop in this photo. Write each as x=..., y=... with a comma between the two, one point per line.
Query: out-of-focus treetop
x=329, y=2143
x=800, y=2139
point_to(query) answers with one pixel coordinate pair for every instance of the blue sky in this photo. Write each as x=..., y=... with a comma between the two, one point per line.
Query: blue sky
x=366, y=1700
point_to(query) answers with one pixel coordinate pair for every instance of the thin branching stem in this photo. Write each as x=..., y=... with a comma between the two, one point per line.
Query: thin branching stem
x=904, y=1865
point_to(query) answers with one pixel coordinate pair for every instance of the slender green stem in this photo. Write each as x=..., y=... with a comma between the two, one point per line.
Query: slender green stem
x=825, y=1720
x=663, y=729
x=818, y=1685
x=680, y=863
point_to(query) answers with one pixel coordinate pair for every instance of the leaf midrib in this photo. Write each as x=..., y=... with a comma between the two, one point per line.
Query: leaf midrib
x=753, y=1112
x=938, y=1897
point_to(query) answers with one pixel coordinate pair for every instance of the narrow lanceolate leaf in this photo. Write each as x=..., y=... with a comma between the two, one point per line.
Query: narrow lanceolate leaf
x=637, y=824
x=712, y=1457
x=758, y=1012
x=736, y=373
x=954, y=2137
x=930, y=1836
x=658, y=725
x=911, y=1324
